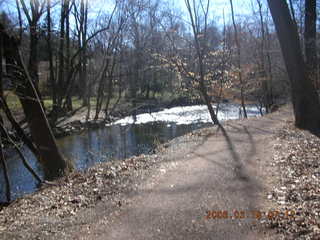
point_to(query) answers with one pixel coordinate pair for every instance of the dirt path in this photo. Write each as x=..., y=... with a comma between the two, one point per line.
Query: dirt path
x=224, y=172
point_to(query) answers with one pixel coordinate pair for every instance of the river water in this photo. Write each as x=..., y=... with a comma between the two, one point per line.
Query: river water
x=119, y=140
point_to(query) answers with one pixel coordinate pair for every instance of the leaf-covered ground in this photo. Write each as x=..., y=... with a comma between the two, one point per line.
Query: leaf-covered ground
x=51, y=208
x=297, y=192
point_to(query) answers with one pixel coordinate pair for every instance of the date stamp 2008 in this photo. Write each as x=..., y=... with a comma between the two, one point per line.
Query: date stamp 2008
x=245, y=214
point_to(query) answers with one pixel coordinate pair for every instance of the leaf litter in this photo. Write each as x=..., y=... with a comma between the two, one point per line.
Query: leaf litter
x=297, y=193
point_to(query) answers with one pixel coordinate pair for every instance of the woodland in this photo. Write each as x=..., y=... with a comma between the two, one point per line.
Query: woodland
x=115, y=58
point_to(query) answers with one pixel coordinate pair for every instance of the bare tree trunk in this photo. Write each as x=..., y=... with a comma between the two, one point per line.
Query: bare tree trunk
x=33, y=58
x=1, y=60
x=88, y=96
x=4, y=132
x=301, y=27
x=61, y=62
x=83, y=40
x=267, y=85
x=17, y=128
x=304, y=96
x=120, y=80
x=293, y=13
x=3, y=163
x=238, y=61
x=68, y=100
x=310, y=39
x=101, y=84
x=5, y=172
x=196, y=31
x=110, y=88
x=117, y=101
x=109, y=96
x=270, y=74
x=20, y=20
x=53, y=162
x=51, y=67
x=37, y=9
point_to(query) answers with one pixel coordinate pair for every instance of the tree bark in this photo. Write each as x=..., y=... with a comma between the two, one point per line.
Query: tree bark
x=68, y=99
x=267, y=84
x=50, y=53
x=83, y=57
x=33, y=58
x=310, y=38
x=52, y=160
x=5, y=172
x=61, y=60
x=3, y=163
x=304, y=96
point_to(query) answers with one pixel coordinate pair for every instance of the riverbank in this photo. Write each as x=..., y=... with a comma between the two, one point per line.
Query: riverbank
x=90, y=205
x=76, y=121
x=179, y=113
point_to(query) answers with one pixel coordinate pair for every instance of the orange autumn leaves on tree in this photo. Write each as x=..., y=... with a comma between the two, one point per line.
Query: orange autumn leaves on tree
x=218, y=69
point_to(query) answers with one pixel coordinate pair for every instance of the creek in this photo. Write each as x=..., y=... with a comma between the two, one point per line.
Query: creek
x=119, y=140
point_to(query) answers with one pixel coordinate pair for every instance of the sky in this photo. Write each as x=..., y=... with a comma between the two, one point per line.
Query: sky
x=218, y=7
x=240, y=6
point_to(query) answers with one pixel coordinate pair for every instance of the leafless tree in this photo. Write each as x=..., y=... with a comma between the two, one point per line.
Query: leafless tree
x=236, y=36
x=111, y=41
x=37, y=8
x=199, y=32
x=304, y=96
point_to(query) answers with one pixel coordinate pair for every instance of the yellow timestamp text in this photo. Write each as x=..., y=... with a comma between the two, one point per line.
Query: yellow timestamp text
x=245, y=214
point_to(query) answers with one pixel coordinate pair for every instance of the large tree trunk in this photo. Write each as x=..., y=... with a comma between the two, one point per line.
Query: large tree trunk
x=2, y=160
x=304, y=96
x=68, y=99
x=5, y=172
x=310, y=32
x=53, y=162
x=33, y=58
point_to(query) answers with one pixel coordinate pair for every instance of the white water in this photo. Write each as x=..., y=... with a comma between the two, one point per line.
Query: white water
x=189, y=115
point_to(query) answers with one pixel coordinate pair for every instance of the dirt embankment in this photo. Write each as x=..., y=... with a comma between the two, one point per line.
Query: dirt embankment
x=262, y=173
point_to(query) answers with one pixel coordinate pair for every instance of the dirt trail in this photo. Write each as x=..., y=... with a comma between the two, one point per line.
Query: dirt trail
x=224, y=172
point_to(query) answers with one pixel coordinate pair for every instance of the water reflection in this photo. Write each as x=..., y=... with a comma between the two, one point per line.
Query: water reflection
x=99, y=145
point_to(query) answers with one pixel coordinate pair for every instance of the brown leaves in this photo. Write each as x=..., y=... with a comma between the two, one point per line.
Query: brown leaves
x=43, y=211
x=298, y=157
